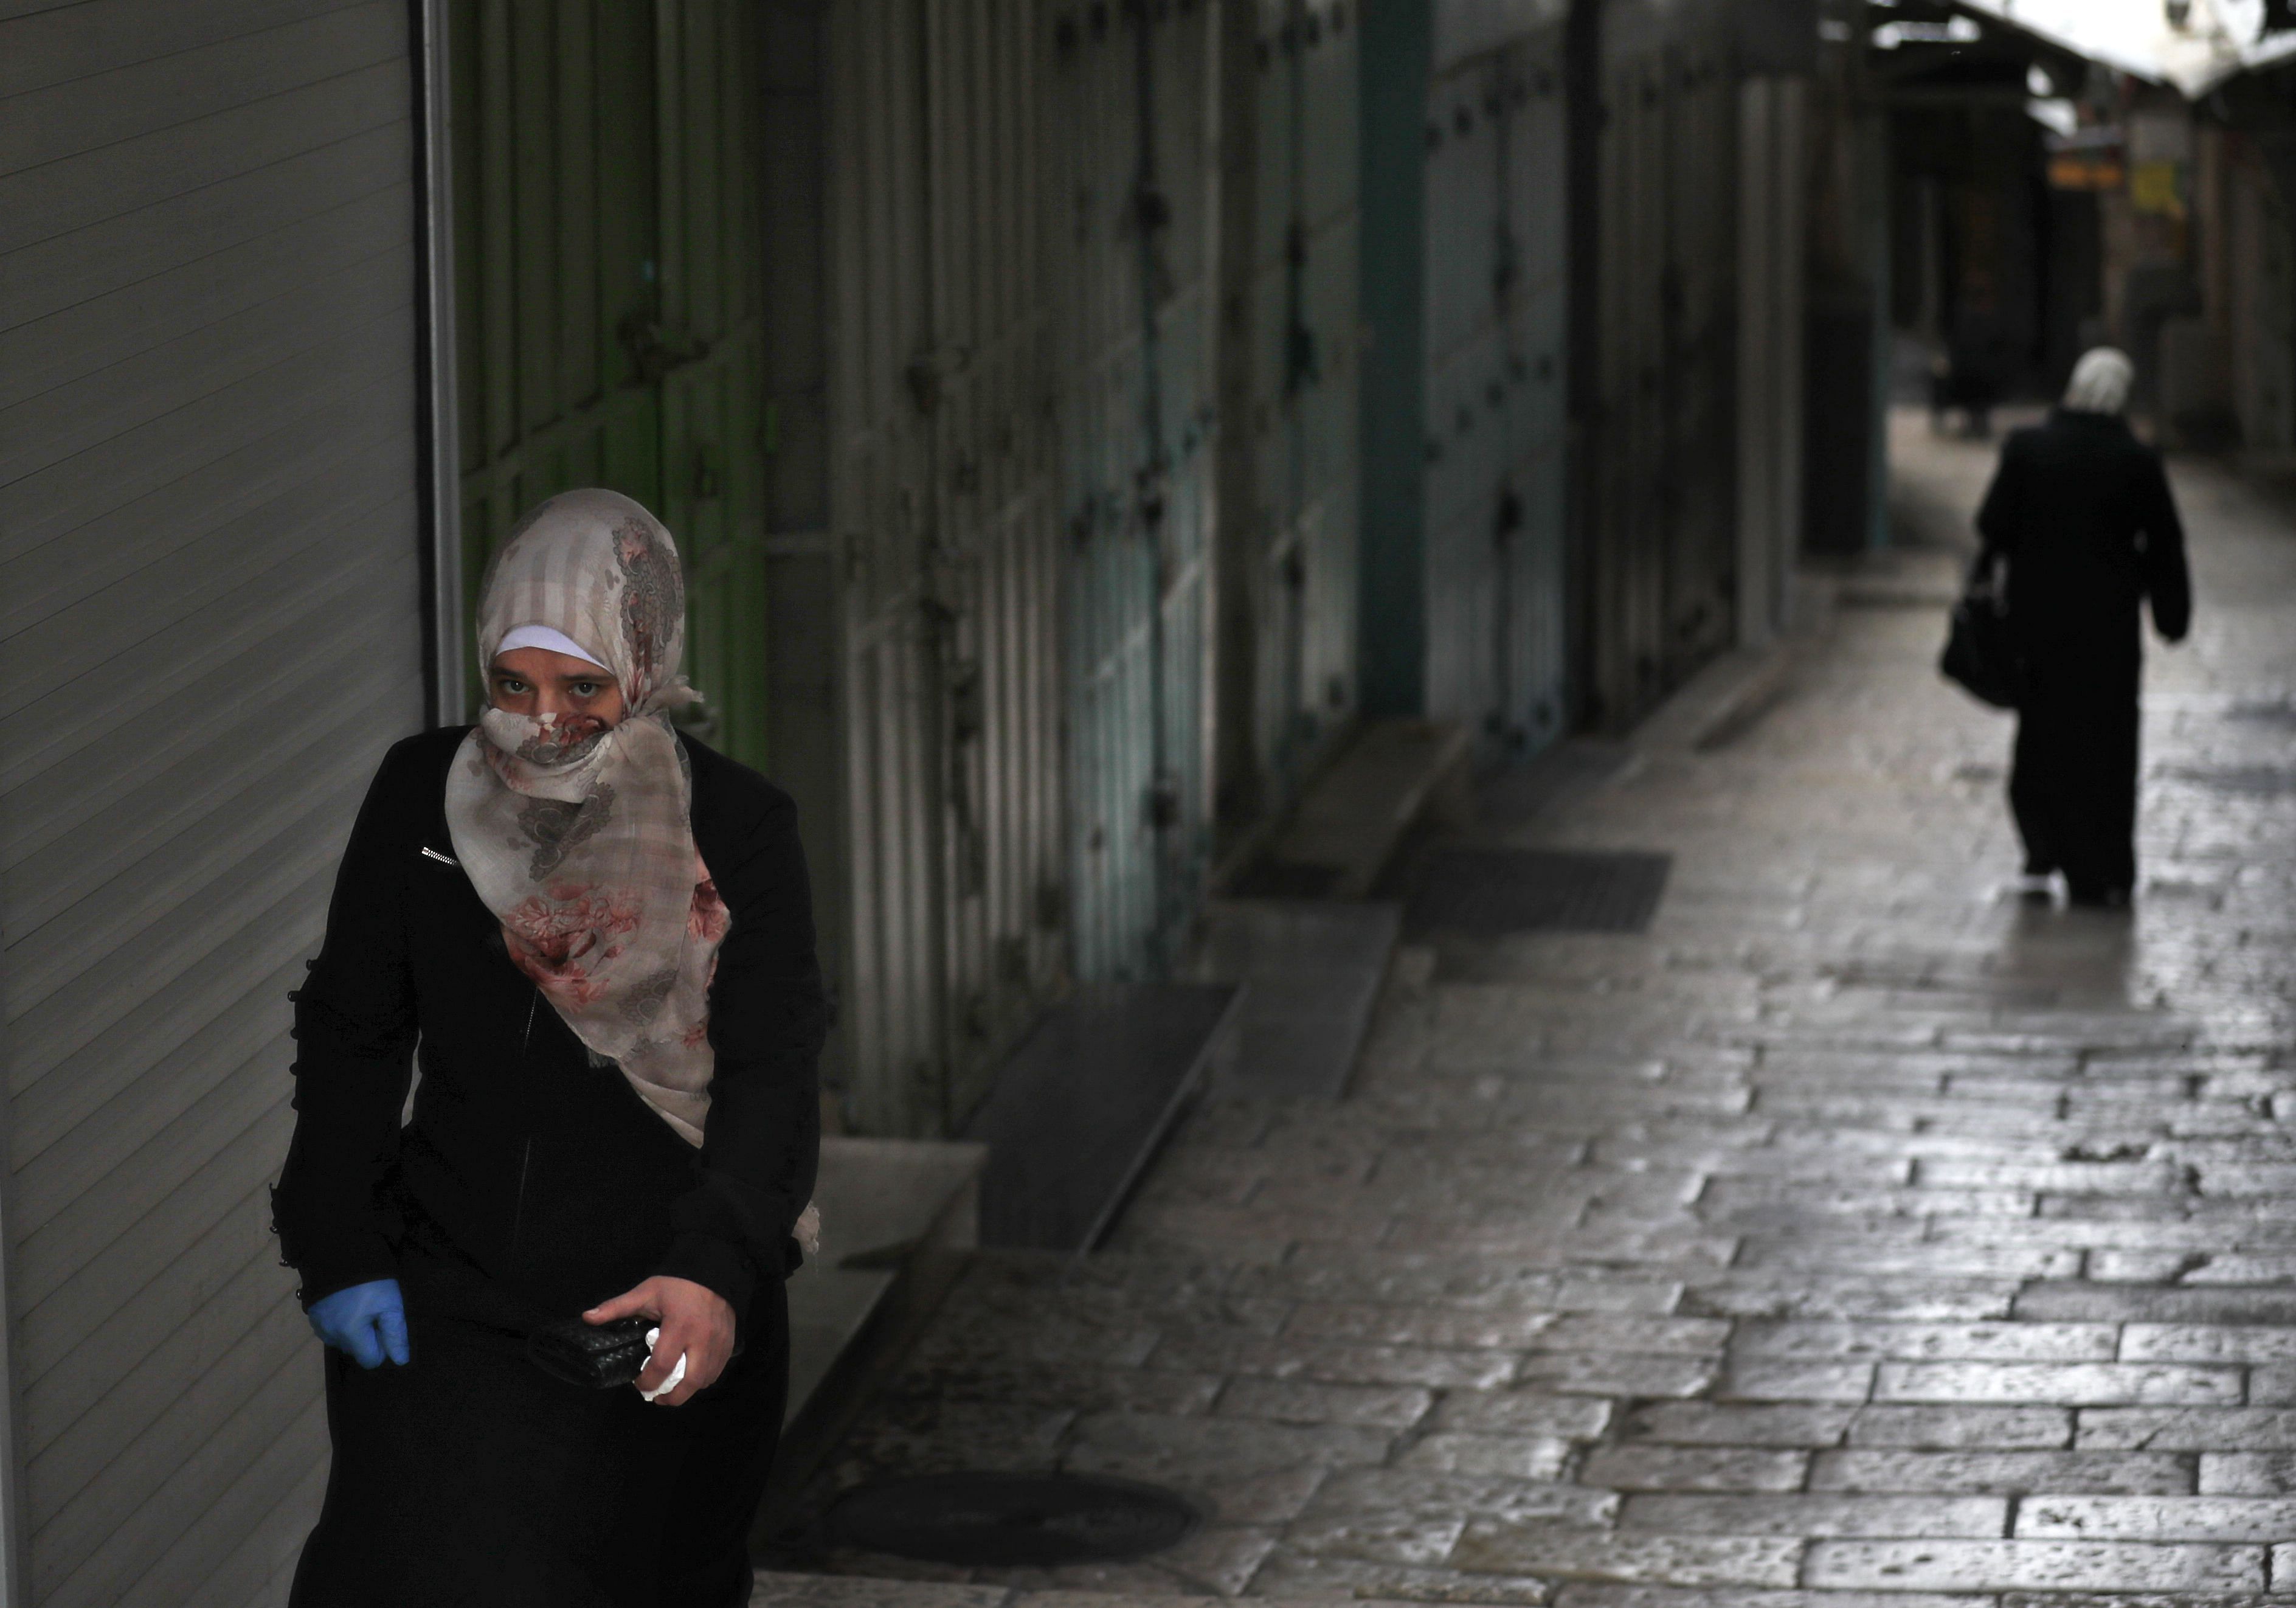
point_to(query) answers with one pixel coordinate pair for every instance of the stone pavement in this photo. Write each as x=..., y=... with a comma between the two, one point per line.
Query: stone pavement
x=1856, y=1236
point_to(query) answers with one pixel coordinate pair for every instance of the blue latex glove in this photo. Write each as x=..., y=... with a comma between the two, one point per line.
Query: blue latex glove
x=368, y=1320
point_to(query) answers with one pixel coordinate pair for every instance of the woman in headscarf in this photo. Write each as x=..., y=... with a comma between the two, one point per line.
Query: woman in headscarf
x=594, y=935
x=2080, y=513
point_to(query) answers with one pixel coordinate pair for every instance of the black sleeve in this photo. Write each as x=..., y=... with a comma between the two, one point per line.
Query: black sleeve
x=761, y=1141
x=2168, y=581
x=2001, y=518
x=355, y=1032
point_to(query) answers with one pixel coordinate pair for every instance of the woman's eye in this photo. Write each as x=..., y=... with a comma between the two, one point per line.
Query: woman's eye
x=510, y=686
x=585, y=689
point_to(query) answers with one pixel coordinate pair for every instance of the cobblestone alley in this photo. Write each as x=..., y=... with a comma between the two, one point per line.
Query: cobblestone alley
x=1855, y=1230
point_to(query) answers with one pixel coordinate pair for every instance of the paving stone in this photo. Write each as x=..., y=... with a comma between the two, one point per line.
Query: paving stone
x=1708, y=1424
x=1164, y=1448
x=1738, y=1199
x=1215, y=1562
x=2207, y=1342
x=1009, y=1382
x=1378, y=1538
x=1687, y=1468
x=1591, y=1595
x=1514, y=1457
x=1601, y=1331
x=1950, y=1428
x=1430, y=1493
x=1217, y=1350
x=1761, y=1379
x=1523, y=1413
x=1295, y=1576
x=1618, y=1373
x=2073, y=1384
x=1419, y=1326
x=2033, y=1565
x=2137, y=1304
x=1545, y=1550
x=2189, y=1429
x=2212, y=1518
x=1788, y=1293
x=1987, y=1342
x=2004, y=1473
x=2143, y=1599
x=1298, y=1401
x=1817, y=1516
x=2247, y=1474
x=2047, y=1177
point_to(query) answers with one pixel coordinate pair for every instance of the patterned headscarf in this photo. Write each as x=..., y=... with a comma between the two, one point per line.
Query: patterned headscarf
x=578, y=835
x=2101, y=381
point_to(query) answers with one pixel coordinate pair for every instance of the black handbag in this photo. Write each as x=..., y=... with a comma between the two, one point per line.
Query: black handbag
x=1979, y=652
x=600, y=1356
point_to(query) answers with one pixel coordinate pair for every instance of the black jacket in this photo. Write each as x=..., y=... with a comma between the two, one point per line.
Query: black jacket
x=548, y=1176
x=2081, y=510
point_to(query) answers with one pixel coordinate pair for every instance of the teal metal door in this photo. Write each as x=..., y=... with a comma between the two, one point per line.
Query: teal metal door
x=606, y=297
x=1494, y=328
x=1125, y=246
x=1303, y=413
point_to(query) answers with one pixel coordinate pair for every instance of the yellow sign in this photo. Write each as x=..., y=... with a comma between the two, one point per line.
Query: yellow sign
x=2156, y=187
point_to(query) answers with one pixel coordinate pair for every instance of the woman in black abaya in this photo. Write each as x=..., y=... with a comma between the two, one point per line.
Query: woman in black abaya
x=2080, y=513
x=594, y=935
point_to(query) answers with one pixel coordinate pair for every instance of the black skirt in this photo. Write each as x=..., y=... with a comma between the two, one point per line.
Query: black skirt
x=471, y=1477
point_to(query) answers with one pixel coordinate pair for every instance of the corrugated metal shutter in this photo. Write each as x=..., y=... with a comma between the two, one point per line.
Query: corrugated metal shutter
x=608, y=294
x=1127, y=253
x=210, y=585
x=948, y=653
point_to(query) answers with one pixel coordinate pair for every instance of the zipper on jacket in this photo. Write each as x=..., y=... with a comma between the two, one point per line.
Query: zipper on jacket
x=526, y=1152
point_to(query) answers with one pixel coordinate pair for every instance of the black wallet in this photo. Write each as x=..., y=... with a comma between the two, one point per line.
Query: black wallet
x=600, y=1356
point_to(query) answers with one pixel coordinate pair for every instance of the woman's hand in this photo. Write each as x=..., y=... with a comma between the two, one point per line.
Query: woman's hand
x=368, y=1321
x=696, y=1322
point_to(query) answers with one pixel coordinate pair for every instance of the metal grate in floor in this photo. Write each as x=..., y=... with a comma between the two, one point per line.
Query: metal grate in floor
x=1491, y=892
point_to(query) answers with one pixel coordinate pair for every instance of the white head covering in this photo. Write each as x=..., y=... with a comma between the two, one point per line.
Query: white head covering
x=2101, y=381
x=543, y=636
x=578, y=835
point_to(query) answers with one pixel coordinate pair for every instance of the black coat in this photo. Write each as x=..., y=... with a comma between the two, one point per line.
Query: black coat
x=547, y=1175
x=2081, y=514
x=2081, y=510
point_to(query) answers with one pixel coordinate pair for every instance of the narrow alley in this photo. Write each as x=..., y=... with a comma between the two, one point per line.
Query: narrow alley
x=1856, y=1230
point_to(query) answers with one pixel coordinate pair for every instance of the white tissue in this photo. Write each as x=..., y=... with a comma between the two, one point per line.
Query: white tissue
x=676, y=1369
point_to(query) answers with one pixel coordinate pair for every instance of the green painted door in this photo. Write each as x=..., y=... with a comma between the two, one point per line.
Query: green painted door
x=606, y=297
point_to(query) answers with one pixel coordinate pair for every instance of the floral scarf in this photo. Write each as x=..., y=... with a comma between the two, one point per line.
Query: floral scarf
x=578, y=836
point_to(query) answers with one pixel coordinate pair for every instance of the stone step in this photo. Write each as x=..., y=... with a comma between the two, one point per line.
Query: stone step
x=898, y=1217
x=1347, y=823
x=1077, y=1111
x=1310, y=971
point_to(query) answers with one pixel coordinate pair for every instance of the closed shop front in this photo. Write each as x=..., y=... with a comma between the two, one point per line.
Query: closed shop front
x=212, y=585
x=1126, y=232
x=1662, y=543
x=1496, y=278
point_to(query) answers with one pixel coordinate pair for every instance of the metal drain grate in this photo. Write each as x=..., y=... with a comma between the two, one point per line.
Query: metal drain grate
x=1012, y=1520
x=1489, y=893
